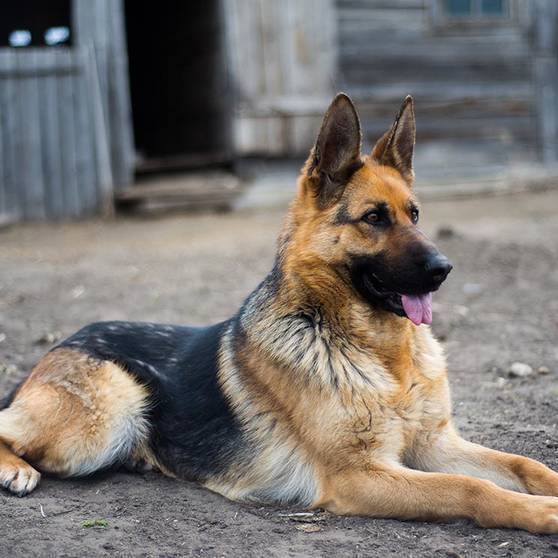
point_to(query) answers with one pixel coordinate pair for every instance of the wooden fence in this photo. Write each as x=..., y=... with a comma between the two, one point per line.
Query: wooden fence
x=51, y=164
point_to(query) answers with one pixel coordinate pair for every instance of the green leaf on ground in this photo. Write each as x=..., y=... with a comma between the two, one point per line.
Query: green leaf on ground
x=94, y=523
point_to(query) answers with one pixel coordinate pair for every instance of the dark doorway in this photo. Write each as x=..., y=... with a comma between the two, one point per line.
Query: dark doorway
x=178, y=82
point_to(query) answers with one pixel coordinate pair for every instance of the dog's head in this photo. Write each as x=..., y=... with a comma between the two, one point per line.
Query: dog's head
x=358, y=216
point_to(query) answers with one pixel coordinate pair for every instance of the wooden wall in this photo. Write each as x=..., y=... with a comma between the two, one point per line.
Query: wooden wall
x=546, y=77
x=100, y=24
x=65, y=131
x=48, y=153
x=282, y=57
x=469, y=83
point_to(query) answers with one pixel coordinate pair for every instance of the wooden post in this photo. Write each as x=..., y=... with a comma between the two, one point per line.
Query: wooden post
x=102, y=147
x=546, y=77
x=101, y=23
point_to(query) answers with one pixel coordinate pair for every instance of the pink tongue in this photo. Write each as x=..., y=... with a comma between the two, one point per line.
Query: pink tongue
x=418, y=308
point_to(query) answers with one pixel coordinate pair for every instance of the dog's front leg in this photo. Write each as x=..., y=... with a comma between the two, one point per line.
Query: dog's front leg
x=407, y=494
x=447, y=452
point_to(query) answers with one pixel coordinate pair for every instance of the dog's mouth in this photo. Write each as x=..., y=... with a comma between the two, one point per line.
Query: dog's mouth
x=416, y=307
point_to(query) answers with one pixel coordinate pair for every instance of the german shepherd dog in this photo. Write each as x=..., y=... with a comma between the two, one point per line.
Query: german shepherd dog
x=326, y=390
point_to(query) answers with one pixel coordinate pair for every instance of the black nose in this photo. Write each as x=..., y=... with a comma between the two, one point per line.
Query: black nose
x=438, y=266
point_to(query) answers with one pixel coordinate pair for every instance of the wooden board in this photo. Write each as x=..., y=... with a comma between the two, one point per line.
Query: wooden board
x=195, y=189
x=472, y=83
x=47, y=153
x=100, y=24
x=283, y=58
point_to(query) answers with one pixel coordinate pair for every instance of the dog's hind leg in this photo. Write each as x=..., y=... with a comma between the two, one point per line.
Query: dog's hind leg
x=74, y=415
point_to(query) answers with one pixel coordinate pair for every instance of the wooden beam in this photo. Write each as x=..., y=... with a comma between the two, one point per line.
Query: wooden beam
x=546, y=76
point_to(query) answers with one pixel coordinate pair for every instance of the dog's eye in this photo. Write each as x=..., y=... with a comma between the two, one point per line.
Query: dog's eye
x=414, y=215
x=372, y=217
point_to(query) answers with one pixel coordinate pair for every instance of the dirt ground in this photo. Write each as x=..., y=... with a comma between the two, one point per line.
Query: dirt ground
x=499, y=305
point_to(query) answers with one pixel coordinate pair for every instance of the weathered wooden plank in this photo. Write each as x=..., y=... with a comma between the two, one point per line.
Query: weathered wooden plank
x=47, y=157
x=30, y=120
x=50, y=139
x=202, y=185
x=304, y=131
x=3, y=185
x=283, y=50
x=122, y=149
x=99, y=34
x=86, y=175
x=224, y=94
x=286, y=105
x=82, y=16
x=42, y=68
x=389, y=71
x=246, y=52
x=101, y=24
x=21, y=174
x=459, y=108
x=4, y=166
x=66, y=114
x=485, y=49
x=436, y=91
x=10, y=133
x=357, y=23
x=47, y=129
x=261, y=136
x=546, y=77
x=271, y=23
x=91, y=22
x=395, y=5
x=516, y=128
x=480, y=102
x=105, y=182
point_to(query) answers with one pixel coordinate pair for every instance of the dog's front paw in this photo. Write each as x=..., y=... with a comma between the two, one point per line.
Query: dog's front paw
x=539, y=515
x=19, y=478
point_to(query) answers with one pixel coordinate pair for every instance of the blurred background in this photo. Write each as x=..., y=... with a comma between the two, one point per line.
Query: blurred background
x=151, y=111
x=116, y=103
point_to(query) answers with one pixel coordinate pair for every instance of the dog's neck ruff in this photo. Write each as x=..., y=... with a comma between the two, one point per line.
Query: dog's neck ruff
x=318, y=347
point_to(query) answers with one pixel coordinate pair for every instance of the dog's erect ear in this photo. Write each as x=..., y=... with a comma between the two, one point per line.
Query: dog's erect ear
x=395, y=148
x=336, y=154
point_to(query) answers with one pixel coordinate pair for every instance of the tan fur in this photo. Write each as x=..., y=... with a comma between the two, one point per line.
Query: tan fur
x=74, y=415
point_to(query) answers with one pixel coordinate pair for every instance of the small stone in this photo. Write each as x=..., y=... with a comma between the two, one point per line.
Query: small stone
x=76, y=292
x=49, y=338
x=308, y=528
x=8, y=369
x=543, y=370
x=446, y=231
x=2, y=337
x=519, y=370
x=461, y=310
x=501, y=382
x=472, y=288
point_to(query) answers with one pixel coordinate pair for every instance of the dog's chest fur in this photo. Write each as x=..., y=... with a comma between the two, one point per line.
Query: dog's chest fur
x=374, y=410
x=305, y=390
